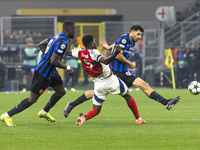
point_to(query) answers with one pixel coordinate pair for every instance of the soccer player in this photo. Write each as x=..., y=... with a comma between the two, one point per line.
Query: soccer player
x=46, y=74
x=126, y=42
x=105, y=81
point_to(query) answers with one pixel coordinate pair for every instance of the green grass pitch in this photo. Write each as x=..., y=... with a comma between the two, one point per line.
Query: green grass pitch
x=114, y=128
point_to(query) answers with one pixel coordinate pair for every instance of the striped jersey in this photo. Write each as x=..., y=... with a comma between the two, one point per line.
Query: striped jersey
x=91, y=63
x=127, y=46
x=57, y=45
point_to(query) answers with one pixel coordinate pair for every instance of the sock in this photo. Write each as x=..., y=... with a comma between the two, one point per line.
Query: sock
x=44, y=112
x=53, y=100
x=79, y=100
x=158, y=98
x=20, y=107
x=90, y=114
x=132, y=105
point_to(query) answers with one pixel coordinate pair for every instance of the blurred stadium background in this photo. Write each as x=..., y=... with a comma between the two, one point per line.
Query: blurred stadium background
x=105, y=19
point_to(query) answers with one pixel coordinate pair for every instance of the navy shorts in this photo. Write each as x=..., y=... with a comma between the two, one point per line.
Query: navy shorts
x=40, y=84
x=126, y=77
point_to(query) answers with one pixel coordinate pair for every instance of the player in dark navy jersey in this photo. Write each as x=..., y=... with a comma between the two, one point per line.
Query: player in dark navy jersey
x=119, y=66
x=46, y=74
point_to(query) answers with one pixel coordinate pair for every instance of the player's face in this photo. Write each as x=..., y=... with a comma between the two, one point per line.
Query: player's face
x=93, y=44
x=72, y=32
x=136, y=35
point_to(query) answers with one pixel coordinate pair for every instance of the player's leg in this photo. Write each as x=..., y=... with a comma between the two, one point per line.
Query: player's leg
x=122, y=89
x=24, y=104
x=144, y=86
x=99, y=97
x=57, y=95
x=90, y=114
x=38, y=86
x=70, y=105
x=133, y=107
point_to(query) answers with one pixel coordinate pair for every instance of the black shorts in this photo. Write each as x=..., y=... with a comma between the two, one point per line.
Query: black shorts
x=126, y=77
x=40, y=84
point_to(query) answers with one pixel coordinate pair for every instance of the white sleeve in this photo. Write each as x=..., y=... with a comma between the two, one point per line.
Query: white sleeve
x=95, y=55
x=75, y=52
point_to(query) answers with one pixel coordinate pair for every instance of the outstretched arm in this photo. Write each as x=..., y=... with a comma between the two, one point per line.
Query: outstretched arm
x=104, y=44
x=110, y=58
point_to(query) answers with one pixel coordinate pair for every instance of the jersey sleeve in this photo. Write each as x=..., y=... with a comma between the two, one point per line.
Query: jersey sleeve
x=61, y=47
x=122, y=43
x=95, y=55
x=75, y=52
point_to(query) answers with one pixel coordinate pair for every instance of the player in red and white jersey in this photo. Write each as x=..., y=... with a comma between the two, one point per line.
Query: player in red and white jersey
x=105, y=82
x=91, y=62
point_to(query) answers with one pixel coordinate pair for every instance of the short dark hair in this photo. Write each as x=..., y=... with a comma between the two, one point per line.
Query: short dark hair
x=67, y=24
x=87, y=39
x=137, y=27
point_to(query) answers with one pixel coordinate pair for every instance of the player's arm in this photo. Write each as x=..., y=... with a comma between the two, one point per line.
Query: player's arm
x=110, y=58
x=56, y=62
x=121, y=58
x=104, y=44
x=43, y=44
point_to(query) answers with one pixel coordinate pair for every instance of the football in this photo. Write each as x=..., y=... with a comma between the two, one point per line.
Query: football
x=194, y=87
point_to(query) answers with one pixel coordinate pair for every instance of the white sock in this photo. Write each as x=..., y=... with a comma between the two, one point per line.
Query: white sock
x=44, y=112
x=6, y=114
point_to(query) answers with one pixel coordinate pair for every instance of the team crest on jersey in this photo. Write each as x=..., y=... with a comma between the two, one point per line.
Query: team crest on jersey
x=63, y=46
x=124, y=41
x=41, y=91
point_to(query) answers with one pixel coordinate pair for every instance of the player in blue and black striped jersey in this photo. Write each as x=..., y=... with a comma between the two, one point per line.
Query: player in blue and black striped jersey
x=46, y=74
x=119, y=66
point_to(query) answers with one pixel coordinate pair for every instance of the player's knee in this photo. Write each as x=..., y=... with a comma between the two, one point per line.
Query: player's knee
x=127, y=96
x=97, y=108
x=61, y=93
x=145, y=85
x=32, y=99
x=89, y=94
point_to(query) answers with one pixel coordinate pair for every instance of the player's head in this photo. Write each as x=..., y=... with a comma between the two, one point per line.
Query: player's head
x=89, y=42
x=136, y=32
x=69, y=28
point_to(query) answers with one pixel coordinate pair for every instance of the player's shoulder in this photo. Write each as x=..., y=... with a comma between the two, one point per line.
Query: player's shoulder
x=123, y=39
x=94, y=51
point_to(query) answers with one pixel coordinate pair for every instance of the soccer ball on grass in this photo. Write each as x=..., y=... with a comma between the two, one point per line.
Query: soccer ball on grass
x=194, y=87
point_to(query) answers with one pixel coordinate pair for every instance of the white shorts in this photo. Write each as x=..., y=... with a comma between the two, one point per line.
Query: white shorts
x=111, y=85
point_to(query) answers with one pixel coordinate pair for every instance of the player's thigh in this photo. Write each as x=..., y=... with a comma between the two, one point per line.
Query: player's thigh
x=139, y=83
x=57, y=84
x=126, y=77
x=100, y=93
x=39, y=84
x=116, y=86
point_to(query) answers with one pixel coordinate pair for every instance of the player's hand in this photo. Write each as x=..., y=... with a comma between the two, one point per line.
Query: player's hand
x=133, y=65
x=71, y=71
x=104, y=44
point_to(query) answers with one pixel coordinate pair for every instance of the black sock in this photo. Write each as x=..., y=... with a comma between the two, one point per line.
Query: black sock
x=53, y=100
x=158, y=98
x=20, y=107
x=79, y=100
